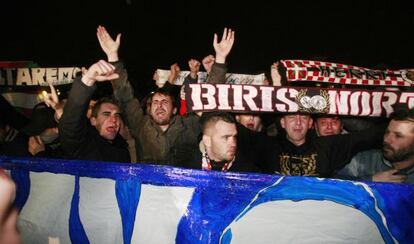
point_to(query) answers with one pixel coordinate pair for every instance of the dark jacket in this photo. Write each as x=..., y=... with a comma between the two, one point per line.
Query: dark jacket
x=80, y=140
x=250, y=155
x=320, y=156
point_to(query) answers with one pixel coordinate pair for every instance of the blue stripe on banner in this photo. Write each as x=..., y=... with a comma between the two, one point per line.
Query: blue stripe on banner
x=22, y=179
x=76, y=232
x=127, y=195
x=403, y=209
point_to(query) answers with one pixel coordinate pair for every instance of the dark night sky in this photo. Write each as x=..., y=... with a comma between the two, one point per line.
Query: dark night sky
x=159, y=33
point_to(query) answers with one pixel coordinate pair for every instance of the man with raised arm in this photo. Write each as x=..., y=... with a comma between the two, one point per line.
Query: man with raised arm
x=99, y=140
x=162, y=137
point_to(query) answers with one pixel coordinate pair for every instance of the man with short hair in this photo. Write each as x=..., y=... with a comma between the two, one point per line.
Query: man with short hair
x=395, y=162
x=220, y=147
x=219, y=139
x=302, y=155
x=101, y=141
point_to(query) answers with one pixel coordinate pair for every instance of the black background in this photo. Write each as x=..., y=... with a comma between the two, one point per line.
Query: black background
x=372, y=34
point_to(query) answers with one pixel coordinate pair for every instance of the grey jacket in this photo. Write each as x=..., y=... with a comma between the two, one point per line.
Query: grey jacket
x=367, y=163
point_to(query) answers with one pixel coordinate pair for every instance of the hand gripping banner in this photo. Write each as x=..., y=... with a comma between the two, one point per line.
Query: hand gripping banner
x=271, y=99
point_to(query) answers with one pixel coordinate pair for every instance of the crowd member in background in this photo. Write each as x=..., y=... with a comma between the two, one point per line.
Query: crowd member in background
x=39, y=137
x=101, y=141
x=10, y=116
x=161, y=136
x=327, y=125
x=395, y=162
x=43, y=134
x=191, y=78
x=250, y=121
x=194, y=65
x=11, y=122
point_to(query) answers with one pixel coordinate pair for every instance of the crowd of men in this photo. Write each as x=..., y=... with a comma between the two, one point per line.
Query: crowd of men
x=124, y=128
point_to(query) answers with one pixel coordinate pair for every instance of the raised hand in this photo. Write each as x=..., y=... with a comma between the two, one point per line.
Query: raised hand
x=175, y=71
x=52, y=100
x=274, y=72
x=194, y=66
x=108, y=44
x=208, y=62
x=100, y=71
x=223, y=47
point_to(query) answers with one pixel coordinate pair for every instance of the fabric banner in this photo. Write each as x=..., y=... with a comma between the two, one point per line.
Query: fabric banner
x=35, y=77
x=96, y=202
x=318, y=71
x=23, y=84
x=202, y=78
x=271, y=99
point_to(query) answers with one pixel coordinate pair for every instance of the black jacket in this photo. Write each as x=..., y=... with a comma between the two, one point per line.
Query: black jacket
x=321, y=156
x=250, y=155
x=80, y=140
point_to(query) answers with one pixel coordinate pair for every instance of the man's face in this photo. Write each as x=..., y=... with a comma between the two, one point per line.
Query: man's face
x=250, y=121
x=399, y=141
x=107, y=121
x=328, y=126
x=162, y=109
x=296, y=126
x=221, y=140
